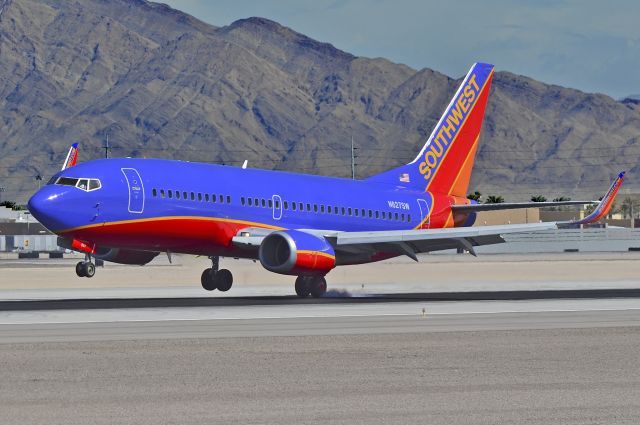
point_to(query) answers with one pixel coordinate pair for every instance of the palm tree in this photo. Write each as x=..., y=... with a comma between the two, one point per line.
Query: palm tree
x=494, y=199
x=538, y=198
x=475, y=196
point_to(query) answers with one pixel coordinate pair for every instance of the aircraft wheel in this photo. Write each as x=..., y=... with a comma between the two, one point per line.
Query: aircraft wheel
x=207, y=279
x=318, y=287
x=224, y=280
x=80, y=269
x=89, y=269
x=302, y=286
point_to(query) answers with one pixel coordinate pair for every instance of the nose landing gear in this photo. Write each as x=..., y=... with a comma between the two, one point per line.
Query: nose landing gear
x=316, y=286
x=212, y=278
x=86, y=268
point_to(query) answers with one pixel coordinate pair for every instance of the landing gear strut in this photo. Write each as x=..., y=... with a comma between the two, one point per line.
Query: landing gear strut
x=212, y=278
x=316, y=286
x=86, y=268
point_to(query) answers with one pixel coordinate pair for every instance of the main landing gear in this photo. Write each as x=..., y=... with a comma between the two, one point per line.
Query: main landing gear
x=316, y=286
x=86, y=268
x=213, y=278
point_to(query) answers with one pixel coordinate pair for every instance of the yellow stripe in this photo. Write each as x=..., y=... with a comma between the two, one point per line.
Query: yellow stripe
x=143, y=220
x=323, y=254
x=459, y=128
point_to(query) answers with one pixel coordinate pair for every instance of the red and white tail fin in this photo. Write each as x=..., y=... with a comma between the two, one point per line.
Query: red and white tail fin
x=72, y=157
x=445, y=162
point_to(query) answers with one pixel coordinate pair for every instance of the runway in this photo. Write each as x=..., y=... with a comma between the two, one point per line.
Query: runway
x=488, y=352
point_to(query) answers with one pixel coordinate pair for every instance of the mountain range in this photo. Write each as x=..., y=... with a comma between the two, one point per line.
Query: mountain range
x=160, y=83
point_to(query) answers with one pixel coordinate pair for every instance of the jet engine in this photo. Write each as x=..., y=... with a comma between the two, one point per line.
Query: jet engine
x=294, y=252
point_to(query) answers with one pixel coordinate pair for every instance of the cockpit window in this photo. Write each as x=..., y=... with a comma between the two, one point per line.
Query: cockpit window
x=67, y=181
x=83, y=184
x=94, y=184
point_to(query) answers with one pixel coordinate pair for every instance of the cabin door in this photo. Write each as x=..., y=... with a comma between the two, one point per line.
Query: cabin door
x=136, y=190
x=424, y=213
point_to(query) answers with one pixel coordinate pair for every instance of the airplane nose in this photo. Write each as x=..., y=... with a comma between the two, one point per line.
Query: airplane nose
x=40, y=206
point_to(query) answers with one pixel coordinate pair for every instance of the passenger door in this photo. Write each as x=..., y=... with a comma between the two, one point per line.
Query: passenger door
x=136, y=190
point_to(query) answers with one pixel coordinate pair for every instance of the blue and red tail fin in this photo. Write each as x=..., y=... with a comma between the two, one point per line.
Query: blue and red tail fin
x=605, y=204
x=72, y=157
x=445, y=162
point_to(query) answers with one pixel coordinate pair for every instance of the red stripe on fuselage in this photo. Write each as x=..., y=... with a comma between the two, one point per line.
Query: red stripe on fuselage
x=189, y=235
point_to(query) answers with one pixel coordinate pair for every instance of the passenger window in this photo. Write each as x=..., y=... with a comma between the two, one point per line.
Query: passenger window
x=242, y=201
x=256, y=202
x=408, y=217
x=286, y=205
x=162, y=193
x=315, y=207
x=322, y=208
x=250, y=201
x=363, y=214
x=199, y=196
x=177, y=194
x=154, y=192
x=206, y=197
x=94, y=184
x=193, y=196
x=293, y=206
x=343, y=211
x=270, y=203
x=277, y=204
x=228, y=199
x=308, y=207
x=264, y=203
x=213, y=197
x=357, y=211
x=377, y=214
x=384, y=215
x=370, y=214
x=170, y=193
x=349, y=209
x=402, y=216
x=184, y=195
x=396, y=216
x=329, y=209
x=300, y=206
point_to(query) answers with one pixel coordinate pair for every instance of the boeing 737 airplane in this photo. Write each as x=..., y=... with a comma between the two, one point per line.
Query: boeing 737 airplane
x=128, y=210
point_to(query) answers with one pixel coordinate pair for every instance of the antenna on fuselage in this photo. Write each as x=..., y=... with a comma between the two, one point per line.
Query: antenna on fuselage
x=106, y=147
x=353, y=159
x=245, y=163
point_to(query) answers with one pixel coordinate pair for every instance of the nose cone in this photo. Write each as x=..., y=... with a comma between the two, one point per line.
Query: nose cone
x=42, y=206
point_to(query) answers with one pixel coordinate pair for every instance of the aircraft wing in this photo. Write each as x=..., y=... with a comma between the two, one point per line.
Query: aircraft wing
x=411, y=242
x=515, y=205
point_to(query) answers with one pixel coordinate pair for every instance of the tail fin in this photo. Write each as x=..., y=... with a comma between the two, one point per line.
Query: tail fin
x=72, y=157
x=605, y=204
x=444, y=164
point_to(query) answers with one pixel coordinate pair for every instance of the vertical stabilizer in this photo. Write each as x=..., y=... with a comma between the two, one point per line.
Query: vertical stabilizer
x=445, y=162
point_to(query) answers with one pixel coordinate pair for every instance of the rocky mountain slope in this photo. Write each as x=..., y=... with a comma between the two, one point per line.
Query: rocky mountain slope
x=161, y=83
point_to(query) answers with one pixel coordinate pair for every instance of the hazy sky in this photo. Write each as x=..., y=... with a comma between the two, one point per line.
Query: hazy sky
x=592, y=45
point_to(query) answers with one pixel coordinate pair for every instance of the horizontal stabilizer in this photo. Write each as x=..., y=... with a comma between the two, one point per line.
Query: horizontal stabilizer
x=515, y=205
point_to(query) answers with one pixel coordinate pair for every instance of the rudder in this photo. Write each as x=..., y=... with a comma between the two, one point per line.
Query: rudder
x=445, y=162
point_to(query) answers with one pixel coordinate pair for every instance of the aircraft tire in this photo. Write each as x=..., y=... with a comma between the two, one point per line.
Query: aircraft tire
x=318, y=287
x=80, y=269
x=89, y=269
x=207, y=279
x=224, y=280
x=302, y=286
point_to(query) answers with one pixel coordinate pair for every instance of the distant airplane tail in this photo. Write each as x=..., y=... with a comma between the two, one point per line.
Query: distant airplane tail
x=72, y=157
x=445, y=162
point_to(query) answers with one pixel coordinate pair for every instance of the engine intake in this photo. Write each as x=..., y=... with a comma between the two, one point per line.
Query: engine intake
x=296, y=253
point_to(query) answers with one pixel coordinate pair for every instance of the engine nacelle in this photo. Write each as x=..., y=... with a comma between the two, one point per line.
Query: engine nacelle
x=297, y=253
